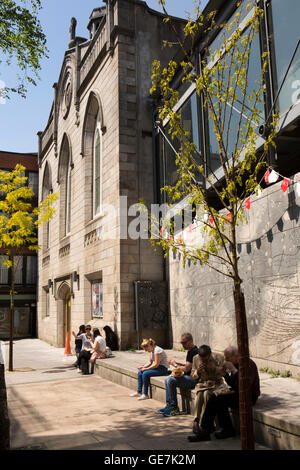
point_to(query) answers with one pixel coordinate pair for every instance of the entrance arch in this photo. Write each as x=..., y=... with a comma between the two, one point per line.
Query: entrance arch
x=64, y=314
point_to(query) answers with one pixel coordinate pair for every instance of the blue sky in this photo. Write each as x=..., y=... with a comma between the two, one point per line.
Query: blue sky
x=20, y=118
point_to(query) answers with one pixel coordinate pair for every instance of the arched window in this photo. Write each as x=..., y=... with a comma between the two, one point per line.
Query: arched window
x=97, y=169
x=93, y=132
x=68, y=199
x=64, y=178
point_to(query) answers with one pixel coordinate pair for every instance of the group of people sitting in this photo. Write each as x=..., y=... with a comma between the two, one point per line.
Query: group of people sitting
x=214, y=377
x=90, y=346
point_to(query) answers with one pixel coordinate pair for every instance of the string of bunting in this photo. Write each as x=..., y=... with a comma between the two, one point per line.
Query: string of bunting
x=270, y=176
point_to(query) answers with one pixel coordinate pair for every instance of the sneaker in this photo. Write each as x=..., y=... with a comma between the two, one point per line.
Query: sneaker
x=162, y=410
x=135, y=394
x=171, y=411
x=143, y=397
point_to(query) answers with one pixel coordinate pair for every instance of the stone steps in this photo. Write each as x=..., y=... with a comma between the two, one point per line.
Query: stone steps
x=276, y=414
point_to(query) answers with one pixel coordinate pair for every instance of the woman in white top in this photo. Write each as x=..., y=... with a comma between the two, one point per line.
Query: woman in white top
x=156, y=366
x=99, y=346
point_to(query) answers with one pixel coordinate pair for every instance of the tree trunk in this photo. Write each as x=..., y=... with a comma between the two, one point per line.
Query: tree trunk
x=4, y=420
x=12, y=313
x=245, y=401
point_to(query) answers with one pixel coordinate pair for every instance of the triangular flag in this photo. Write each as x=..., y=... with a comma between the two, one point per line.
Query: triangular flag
x=190, y=228
x=161, y=230
x=247, y=203
x=211, y=219
x=205, y=217
x=170, y=237
x=273, y=176
x=228, y=216
x=285, y=184
x=259, y=192
x=267, y=174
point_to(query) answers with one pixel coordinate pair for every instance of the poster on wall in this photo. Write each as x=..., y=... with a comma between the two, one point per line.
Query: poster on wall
x=97, y=299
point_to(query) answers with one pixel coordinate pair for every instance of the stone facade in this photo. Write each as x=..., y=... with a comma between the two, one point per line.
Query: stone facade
x=108, y=76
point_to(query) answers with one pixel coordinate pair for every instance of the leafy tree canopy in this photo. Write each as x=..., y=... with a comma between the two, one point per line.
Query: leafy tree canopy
x=22, y=40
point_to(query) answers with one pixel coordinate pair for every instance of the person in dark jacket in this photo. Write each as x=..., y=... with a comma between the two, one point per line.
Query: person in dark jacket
x=218, y=405
x=111, y=338
x=78, y=344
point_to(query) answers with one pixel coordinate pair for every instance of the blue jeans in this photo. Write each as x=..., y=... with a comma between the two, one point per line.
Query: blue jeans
x=144, y=377
x=171, y=383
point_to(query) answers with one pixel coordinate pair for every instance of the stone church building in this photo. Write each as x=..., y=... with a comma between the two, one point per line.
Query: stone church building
x=96, y=153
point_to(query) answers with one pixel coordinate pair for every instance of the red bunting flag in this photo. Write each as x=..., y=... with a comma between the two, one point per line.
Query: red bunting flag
x=170, y=237
x=247, y=203
x=284, y=184
x=228, y=216
x=267, y=174
x=190, y=228
x=211, y=219
x=161, y=230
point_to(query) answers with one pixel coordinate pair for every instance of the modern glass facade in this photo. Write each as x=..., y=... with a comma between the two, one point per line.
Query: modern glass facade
x=279, y=35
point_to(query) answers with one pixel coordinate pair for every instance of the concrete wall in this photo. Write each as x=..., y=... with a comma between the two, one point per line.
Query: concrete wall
x=202, y=300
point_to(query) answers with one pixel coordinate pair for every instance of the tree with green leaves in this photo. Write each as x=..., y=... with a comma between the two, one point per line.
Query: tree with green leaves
x=22, y=42
x=19, y=221
x=218, y=188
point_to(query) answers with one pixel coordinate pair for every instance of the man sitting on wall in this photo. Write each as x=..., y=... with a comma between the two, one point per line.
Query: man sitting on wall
x=208, y=371
x=185, y=381
x=218, y=405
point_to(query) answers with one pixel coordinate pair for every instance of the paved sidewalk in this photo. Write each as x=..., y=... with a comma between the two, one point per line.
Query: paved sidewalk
x=71, y=411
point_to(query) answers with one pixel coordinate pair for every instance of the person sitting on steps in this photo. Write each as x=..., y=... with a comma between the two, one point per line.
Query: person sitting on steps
x=156, y=366
x=185, y=382
x=218, y=404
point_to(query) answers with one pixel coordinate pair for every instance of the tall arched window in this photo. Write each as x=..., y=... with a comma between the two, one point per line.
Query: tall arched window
x=68, y=199
x=97, y=169
x=64, y=178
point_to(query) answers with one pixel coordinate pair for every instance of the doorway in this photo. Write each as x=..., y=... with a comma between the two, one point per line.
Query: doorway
x=67, y=316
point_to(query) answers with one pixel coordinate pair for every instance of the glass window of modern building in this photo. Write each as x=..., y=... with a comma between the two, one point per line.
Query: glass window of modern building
x=283, y=24
x=234, y=114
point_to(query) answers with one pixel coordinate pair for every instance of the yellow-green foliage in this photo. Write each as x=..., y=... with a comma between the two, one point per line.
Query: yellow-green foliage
x=18, y=219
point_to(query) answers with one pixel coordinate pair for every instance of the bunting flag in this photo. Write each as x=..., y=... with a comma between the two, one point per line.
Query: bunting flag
x=211, y=219
x=190, y=228
x=285, y=184
x=205, y=217
x=247, y=203
x=228, y=216
x=267, y=174
x=273, y=177
x=170, y=237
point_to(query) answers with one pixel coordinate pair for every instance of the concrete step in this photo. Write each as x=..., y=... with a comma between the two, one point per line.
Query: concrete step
x=276, y=415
